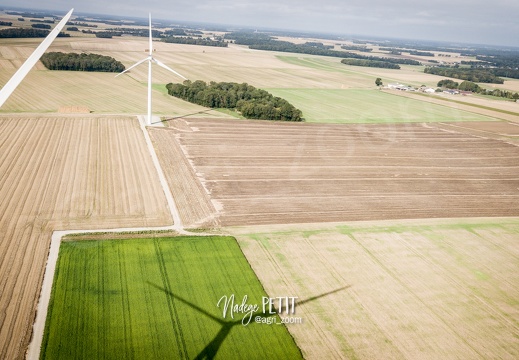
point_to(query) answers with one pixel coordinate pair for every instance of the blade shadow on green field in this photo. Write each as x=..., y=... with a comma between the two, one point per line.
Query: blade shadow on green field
x=210, y=351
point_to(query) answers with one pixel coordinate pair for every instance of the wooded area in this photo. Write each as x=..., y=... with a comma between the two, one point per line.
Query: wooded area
x=81, y=62
x=251, y=102
x=27, y=33
x=470, y=74
x=370, y=63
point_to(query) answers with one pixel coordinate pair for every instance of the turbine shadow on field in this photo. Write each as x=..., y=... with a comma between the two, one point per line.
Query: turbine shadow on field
x=183, y=116
x=211, y=349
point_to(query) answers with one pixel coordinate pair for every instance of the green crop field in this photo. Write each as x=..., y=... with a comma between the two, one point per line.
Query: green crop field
x=368, y=106
x=157, y=299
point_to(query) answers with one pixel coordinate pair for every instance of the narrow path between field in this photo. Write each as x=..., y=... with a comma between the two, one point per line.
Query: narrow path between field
x=33, y=351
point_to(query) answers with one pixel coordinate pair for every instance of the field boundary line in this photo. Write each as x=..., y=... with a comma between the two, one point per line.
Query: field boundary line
x=177, y=222
x=34, y=349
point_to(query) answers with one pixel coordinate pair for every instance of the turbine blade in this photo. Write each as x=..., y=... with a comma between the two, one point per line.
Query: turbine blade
x=17, y=78
x=131, y=67
x=151, y=39
x=168, y=68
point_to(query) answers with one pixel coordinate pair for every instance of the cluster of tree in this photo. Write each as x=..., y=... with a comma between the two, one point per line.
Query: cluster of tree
x=175, y=32
x=81, y=62
x=411, y=45
x=370, y=63
x=385, y=59
x=473, y=63
x=134, y=32
x=420, y=53
x=107, y=34
x=251, y=102
x=27, y=14
x=505, y=60
x=259, y=41
x=390, y=49
x=356, y=48
x=449, y=84
x=72, y=28
x=182, y=32
x=398, y=51
x=40, y=26
x=84, y=24
x=194, y=41
x=43, y=21
x=286, y=46
x=5, y=23
x=506, y=72
x=475, y=88
x=318, y=45
x=21, y=19
x=503, y=67
x=248, y=38
x=27, y=33
x=469, y=74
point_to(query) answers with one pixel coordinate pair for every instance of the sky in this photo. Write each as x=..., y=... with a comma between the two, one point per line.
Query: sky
x=493, y=22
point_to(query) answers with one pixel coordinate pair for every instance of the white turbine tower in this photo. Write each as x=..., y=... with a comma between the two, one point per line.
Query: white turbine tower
x=150, y=59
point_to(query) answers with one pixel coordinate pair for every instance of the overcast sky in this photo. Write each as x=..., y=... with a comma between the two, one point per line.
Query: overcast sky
x=493, y=22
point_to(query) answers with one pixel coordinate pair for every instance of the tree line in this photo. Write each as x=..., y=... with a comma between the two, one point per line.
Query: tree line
x=81, y=62
x=41, y=26
x=356, y=48
x=84, y=24
x=251, y=102
x=194, y=41
x=469, y=74
x=370, y=63
x=475, y=88
x=27, y=33
x=265, y=42
x=385, y=59
x=43, y=21
x=6, y=23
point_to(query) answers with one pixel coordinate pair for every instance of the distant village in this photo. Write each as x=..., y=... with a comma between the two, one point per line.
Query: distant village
x=425, y=89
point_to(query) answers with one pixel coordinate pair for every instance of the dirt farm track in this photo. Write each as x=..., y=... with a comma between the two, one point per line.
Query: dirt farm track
x=271, y=173
x=64, y=173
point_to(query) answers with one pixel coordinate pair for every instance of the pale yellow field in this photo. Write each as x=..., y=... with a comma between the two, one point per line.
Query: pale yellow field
x=63, y=173
x=102, y=93
x=430, y=289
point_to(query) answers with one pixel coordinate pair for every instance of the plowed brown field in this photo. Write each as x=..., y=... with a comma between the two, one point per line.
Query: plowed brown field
x=61, y=173
x=266, y=173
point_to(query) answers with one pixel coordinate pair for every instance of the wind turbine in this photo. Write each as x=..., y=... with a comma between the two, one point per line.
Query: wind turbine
x=17, y=78
x=150, y=59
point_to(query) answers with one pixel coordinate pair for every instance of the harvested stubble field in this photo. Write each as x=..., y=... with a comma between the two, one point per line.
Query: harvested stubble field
x=266, y=173
x=157, y=299
x=60, y=173
x=422, y=289
x=371, y=106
